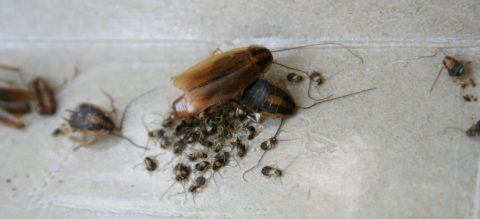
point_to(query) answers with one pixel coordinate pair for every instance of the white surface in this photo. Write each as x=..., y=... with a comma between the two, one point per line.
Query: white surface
x=378, y=155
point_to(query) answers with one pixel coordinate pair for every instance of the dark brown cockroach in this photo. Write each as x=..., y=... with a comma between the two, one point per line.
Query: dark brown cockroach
x=92, y=121
x=294, y=78
x=16, y=108
x=274, y=101
x=202, y=166
x=14, y=100
x=224, y=76
x=45, y=101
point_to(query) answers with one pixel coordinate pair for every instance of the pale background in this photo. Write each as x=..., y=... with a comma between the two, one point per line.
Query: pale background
x=378, y=155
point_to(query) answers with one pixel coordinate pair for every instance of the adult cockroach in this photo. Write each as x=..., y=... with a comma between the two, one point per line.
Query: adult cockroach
x=92, y=121
x=223, y=76
x=14, y=101
x=273, y=100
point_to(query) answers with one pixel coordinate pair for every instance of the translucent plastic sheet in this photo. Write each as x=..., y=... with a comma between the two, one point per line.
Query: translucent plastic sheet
x=382, y=154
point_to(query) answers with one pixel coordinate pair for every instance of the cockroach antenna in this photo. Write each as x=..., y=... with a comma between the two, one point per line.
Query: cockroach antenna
x=335, y=98
x=321, y=44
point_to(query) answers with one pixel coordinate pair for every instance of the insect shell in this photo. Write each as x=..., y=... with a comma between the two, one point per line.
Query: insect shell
x=271, y=171
x=44, y=97
x=474, y=130
x=219, y=78
x=197, y=183
x=454, y=67
x=271, y=100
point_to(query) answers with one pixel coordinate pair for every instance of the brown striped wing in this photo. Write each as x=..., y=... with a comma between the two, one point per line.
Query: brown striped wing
x=213, y=68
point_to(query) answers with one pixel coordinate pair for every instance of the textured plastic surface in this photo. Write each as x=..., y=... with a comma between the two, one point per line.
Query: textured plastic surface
x=377, y=155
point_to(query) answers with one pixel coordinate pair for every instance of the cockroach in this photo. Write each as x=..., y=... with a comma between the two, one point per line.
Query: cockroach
x=14, y=100
x=275, y=101
x=45, y=101
x=473, y=131
x=224, y=76
x=251, y=132
x=17, y=108
x=202, y=166
x=197, y=155
x=454, y=67
x=182, y=173
x=240, y=147
x=151, y=163
x=294, y=78
x=220, y=160
x=273, y=171
x=92, y=121
x=197, y=183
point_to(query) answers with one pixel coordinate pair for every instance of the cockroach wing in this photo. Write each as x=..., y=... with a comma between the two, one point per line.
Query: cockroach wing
x=15, y=94
x=212, y=68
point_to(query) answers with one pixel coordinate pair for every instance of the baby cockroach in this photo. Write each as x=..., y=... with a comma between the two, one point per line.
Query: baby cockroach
x=197, y=184
x=150, y=162
x=220, y=160
x=294, y=78
x=454, y=67
x=197, y=155
x=473, y=131
x=202, y=166
x=182, y=173
x=272, y=171
x=93, y=121
x=224, y=76
x=240, y=147
x=251, y=132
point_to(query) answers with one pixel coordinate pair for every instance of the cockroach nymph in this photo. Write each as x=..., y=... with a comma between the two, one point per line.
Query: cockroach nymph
x=202, y=166
x=220, y=160
x=454, y=67
x=271, y=171
x=197, y=183
x=92, y=121
x=151, y=163
x=182, y=173
x=224, y=76
x=294, y=78
x=197, y=155
x=251, y=132
x=240, y=147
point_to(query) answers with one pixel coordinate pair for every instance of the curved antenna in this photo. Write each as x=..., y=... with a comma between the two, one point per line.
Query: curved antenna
x=253, y=167
x=130, y=103
x=321, y=44
x=436, y=79
x=434, y=54
x=129, y=140
x=278, y=129
x=335, y=98
x=292, y=68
